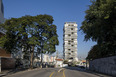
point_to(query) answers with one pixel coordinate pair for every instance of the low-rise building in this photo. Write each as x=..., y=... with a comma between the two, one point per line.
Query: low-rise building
x=59, y=63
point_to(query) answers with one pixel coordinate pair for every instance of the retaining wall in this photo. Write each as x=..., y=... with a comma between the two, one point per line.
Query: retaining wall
x=7, y=63
x=104, y=65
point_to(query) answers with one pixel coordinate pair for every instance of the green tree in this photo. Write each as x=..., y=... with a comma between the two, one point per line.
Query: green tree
x=30, y=32
x=94, y=53
x=100, y=25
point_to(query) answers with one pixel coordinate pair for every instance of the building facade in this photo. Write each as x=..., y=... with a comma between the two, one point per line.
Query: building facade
x=3, y=53
x=1, y=12
x=70, y=41
x=2, y=32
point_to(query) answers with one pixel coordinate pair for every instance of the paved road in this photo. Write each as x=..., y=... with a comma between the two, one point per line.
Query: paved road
x=56, y=72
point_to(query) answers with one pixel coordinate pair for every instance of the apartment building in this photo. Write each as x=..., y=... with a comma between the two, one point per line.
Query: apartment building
x=70, y=41
x=1, y=12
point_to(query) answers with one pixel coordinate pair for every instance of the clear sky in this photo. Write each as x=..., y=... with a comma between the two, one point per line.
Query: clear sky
x=61, y=10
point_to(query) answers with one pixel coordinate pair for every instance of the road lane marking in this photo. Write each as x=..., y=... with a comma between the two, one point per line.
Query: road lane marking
x=60, y=69
x=51, y=74
x=63, y=73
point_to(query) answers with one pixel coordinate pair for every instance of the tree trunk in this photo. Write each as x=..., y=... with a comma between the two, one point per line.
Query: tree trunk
x=32, y=53
x=41, y=54
x=41, y=60
x=41, y=57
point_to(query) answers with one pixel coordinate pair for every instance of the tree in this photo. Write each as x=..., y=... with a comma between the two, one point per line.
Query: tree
x=94, y=53
x=29, y=32
x=48, y=36
x=100, y=25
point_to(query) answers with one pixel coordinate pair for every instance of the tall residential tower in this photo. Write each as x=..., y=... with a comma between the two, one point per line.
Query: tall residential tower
x=1, y=12
x=70, y=41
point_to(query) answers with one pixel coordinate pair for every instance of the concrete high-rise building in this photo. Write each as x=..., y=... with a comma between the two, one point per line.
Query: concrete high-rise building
x=2, y=31
x=70, y=41
x=1, y=12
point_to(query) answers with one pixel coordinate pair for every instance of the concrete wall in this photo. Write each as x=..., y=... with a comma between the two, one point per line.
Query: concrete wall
x=7, y=63
x=104, y=65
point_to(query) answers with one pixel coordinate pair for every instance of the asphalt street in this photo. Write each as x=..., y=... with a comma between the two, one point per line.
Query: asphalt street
x=57, y=72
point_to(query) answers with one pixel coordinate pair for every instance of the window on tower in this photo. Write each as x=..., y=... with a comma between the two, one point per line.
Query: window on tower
x=71, y=28
x=72, y=51
x=72, y=25
x=69, y=35
x=68, y=43
x=72, y=33
x=72, y=41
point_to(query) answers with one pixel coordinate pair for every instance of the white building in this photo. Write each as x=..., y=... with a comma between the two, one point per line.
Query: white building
x=70, y=41
x=52, y=59
x=46, y=58
x=59, y=63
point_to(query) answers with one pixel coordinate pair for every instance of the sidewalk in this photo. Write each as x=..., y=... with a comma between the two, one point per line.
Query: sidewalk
x=9, y=72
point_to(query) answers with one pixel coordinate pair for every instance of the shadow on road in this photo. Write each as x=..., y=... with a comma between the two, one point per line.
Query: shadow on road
x=7, y=72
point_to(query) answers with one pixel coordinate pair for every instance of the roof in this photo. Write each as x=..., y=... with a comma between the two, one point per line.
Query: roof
x=83, y=60
x=59, y=59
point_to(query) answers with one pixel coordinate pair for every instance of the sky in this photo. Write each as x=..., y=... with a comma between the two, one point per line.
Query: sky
x=61, y=10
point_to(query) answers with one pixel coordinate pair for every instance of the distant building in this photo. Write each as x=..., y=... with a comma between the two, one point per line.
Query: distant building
x=3, y=53
x=2, y=31
x=59, y=63
x=6, y=62
x=46, y=58
x=1, y=12
x=70, y=41
x=52, y=59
